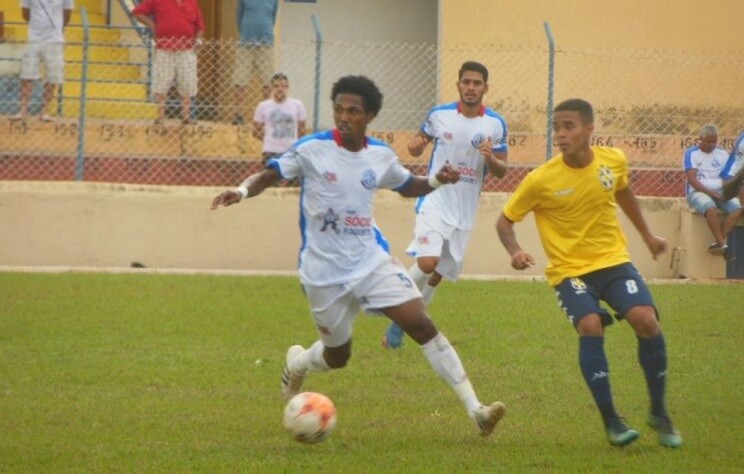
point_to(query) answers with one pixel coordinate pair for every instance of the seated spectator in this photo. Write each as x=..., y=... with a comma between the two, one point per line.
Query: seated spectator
x=733, y=172
x=704, y=164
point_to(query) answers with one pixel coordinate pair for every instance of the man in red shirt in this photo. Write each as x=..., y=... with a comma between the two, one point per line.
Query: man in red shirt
x=178, y=29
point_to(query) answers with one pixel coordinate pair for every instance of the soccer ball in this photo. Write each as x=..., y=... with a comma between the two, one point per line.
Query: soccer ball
x=310, y=417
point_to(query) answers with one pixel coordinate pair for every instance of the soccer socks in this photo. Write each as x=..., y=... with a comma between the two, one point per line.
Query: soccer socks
x=596, y=372
x=445, y=361
x=653, y=359
x=419, y=277
x=310, y=360
x=428, y=293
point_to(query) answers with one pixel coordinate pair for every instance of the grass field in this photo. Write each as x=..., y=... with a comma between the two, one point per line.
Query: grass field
x=155, y=373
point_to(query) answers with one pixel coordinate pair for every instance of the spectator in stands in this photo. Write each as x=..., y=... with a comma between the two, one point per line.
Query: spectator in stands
x=178, y=29
x=733, y=172
x=703, y=166
x=255, y=53
x=46, y=23
x=279, y=120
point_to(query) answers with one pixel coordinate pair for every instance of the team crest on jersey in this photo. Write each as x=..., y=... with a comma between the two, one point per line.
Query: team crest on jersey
x=330, y=220
x=477, y=139
x=369, y=179
x=606, y=178
x=330, y=176
x=578, y=285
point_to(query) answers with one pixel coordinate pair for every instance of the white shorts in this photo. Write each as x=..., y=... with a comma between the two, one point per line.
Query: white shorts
x=433, y=237
x=178, y=65
x=52, y=54
x=335, y=308
x=253, y=59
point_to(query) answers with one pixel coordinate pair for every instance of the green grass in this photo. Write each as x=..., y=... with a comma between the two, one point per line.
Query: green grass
x=153, y=373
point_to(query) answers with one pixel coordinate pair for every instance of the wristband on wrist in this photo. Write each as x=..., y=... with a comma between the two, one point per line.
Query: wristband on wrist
x=434, y=182
x=242, y=190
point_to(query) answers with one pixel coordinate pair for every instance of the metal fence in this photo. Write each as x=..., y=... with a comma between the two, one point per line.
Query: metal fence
x=650, y=103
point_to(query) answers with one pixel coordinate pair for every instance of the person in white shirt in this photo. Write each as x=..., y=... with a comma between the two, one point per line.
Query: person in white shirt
x=343, y=267
x=703, y=164
x=46, y=22
x=472, y=138
x=279, y=120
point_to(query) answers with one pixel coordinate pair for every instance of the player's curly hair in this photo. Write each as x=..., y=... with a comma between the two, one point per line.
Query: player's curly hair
x=361, y=86
x=581, y=106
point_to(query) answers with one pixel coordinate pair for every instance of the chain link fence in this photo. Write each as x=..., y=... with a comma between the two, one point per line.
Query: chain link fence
x=650, y=103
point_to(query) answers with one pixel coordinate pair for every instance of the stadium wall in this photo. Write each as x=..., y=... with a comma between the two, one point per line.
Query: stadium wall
x=100, y=225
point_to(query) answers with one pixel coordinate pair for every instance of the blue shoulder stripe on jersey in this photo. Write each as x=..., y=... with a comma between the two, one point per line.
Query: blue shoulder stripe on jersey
x=274, y=164
x=688, y=156
x=381, y=240
x=375, y=142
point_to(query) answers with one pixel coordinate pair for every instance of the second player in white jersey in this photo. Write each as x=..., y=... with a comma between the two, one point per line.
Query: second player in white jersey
x=473, y=139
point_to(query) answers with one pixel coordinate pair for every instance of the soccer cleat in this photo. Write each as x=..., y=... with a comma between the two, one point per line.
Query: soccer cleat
x=668, y=436
x=393, y=337
x=620, y=434
x=291, y=381
x=487, y=417
x=728, y=254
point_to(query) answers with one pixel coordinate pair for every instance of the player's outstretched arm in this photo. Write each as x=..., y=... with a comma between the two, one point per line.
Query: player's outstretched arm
x=629, y=204
x=520, y=258
x=252, y=186
x=421, y=185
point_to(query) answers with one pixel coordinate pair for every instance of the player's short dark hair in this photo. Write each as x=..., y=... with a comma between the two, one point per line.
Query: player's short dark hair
x=361, y=86
x=278, y=77
x=581, y=106
x=473, y=66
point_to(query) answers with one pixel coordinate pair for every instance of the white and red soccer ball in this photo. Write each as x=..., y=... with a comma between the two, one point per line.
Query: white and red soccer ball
x=310, y=417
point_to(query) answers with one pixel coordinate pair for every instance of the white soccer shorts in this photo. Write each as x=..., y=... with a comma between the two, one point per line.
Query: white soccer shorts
x=335, y=308
x=432, y=237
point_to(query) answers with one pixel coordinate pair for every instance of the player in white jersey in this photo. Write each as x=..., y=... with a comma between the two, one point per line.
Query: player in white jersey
x=733, y=172
x=471, y=138
x=343, y=268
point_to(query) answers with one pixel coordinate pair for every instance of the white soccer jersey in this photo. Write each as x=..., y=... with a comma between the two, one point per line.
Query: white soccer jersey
x=456, y=141
x=708, y=166
x=339, y=240
x=735, y=160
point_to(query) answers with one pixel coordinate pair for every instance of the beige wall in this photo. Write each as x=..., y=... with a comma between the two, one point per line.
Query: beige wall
x=109, y=225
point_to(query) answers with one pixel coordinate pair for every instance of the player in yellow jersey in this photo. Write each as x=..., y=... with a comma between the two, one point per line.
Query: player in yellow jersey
x=574, y=196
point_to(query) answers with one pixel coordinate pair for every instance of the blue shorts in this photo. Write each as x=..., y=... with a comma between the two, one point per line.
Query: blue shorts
x=621, y=286
x=701, y=202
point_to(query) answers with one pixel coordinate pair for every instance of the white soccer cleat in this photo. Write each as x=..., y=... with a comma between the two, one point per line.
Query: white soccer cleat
x=291, y=381
x=487, y=417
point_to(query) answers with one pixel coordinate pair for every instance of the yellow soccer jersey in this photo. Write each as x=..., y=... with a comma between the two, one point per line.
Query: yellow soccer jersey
x=575, y=212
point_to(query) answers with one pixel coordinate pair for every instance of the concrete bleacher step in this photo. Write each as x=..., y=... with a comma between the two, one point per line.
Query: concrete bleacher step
x=104, y=72
x=107, y=91
x=111, y=110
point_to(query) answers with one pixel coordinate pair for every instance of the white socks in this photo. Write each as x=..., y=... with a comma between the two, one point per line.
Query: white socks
x=445, y=361
x=419, y=277
x=310, y=360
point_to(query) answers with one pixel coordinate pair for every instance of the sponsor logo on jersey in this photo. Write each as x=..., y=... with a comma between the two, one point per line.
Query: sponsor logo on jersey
x=357, y=225
x=330, y=221
x=369, y=179
x=330, y=176
x=468, y=174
